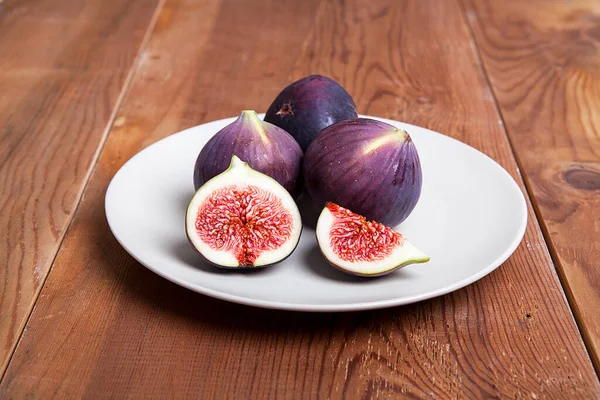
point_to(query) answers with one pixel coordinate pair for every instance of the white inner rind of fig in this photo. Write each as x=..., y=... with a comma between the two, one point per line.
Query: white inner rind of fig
x=240, y=176
x=401, y=255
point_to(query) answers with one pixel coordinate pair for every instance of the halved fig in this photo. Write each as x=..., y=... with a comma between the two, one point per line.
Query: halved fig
x=242, y=218
x=360, y=247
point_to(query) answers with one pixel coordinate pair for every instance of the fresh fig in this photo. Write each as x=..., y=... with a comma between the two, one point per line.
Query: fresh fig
x=265, y=147
x=368, y=166
x=360, y=247
x=309, y=105
x=242, y=218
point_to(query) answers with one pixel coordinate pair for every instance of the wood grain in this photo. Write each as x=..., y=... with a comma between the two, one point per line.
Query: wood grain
x=104, y=326
x=543, y=61
x=62, y=68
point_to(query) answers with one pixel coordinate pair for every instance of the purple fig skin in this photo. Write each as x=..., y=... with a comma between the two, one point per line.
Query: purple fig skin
x=309, y=105
x=265, y=147
x=367, y=166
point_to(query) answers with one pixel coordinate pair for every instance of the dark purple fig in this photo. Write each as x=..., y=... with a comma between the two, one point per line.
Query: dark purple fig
x=265, y=147
x=367, y=166
x=310, y=105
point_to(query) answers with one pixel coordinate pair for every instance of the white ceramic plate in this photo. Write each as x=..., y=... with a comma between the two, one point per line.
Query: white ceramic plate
x=470, y=219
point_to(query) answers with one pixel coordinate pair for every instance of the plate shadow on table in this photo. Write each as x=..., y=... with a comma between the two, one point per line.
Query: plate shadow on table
x=164, y=299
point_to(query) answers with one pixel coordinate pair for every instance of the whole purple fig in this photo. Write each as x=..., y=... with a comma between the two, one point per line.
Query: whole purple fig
x=265, y=147
x=309, y=105
x=367, y=166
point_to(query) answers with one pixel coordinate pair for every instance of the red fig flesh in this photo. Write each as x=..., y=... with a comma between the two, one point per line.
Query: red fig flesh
x=242, y=218
x=360, y=247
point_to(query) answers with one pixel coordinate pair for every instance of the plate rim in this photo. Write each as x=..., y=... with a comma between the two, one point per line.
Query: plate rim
x=348, y=307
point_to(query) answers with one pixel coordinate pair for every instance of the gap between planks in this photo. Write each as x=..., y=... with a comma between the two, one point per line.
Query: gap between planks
x=91, y=168
x=564, y=283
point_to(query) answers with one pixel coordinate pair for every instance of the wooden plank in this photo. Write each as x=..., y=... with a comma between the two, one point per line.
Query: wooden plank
x=106, y=326
x=543, y=63
x=62, y=68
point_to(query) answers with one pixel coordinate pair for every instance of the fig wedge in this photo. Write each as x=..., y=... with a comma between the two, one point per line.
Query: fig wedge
x=360, y=247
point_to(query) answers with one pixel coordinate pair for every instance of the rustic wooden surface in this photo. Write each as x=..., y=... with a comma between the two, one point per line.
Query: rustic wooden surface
x=544, y=66
x=105, y=326
x=62, y=69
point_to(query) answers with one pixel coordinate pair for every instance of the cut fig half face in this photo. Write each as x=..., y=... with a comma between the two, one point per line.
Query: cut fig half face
x=242, y=218
x=360, y=247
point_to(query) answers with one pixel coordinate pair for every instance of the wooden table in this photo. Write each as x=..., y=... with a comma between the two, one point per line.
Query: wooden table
x=84, y=85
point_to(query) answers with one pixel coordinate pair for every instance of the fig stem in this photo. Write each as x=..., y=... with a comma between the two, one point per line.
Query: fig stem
x=249, y=113
x=236, y=162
